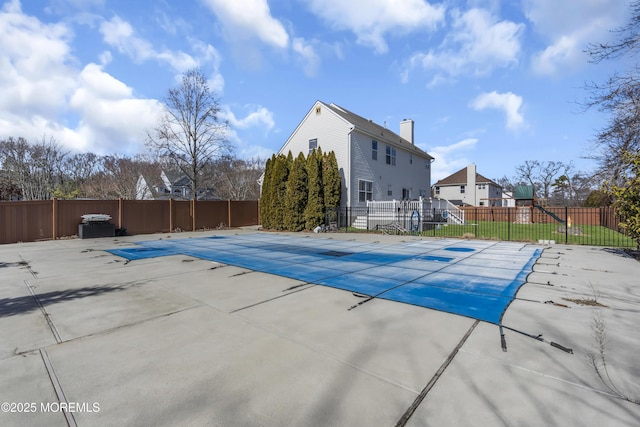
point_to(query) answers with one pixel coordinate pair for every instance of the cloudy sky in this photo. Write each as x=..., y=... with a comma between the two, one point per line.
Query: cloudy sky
x=489, y=82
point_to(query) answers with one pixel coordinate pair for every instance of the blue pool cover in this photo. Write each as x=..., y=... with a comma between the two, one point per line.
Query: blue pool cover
x=476, y=279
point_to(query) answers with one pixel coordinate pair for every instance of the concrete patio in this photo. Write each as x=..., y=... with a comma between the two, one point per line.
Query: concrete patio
x=90, y=339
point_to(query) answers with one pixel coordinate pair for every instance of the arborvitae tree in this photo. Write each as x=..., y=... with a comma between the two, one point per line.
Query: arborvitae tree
x=331, y=180
x=332, y=186
x=627, y=197
x=313, y=213
x=266, y=201
x=297, y=194
x=279, y=179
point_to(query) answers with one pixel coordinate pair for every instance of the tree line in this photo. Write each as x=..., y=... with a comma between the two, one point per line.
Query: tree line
x=617, y=145
x=43, y=170
x=296, y=193
x=556, y=184
x=189, y=141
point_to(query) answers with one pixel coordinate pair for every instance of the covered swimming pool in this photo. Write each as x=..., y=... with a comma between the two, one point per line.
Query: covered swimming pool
x=476, y=279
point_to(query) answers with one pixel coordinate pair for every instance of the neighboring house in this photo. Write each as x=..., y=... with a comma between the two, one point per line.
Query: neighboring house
x=468, y=187
x=508, y=201
x=166, y=186
x=375, y=163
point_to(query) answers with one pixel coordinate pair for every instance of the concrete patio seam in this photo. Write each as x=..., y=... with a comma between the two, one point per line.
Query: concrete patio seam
x=43, y=310
x=432, y=382
x=57, y=387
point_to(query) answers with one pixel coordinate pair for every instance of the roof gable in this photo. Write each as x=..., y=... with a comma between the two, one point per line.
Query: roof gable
x=460, y=178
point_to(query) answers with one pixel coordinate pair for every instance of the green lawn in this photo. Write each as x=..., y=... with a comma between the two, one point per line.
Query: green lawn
x=591, y=234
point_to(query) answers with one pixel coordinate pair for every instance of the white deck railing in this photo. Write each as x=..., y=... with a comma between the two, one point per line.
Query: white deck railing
x=403, y=211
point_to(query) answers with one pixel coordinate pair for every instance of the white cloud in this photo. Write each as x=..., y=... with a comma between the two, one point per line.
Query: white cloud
x=35, y=60
x=569, y=26
x=508, y=102
x=372, y=20
x=450, y=158
x=477, y=43
x=260, y=117
x=562, y=53
x=308, y=56
x=111, y=116
x=120, y=34
x=45, y=93
x=244, y=131
x=248, y=19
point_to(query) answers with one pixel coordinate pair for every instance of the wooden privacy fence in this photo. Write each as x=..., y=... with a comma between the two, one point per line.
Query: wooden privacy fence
x=52, y=219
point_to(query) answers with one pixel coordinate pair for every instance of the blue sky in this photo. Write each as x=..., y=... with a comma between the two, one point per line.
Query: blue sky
x=489, y=82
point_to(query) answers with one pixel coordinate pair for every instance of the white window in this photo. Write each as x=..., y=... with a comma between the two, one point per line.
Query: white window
x=313, y=144
x=365, y=190
x=391, y=155
x=374, y=150
x=437, y=190
x=389, y=190
x=462, y=189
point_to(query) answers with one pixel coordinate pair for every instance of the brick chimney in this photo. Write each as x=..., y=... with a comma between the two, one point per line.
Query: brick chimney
x=406, y=130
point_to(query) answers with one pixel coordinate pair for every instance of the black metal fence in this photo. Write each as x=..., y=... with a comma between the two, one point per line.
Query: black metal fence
x=583, y=226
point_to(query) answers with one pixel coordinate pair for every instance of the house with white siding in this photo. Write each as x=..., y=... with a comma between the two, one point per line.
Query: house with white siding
x=468, y=187
x=375, y=163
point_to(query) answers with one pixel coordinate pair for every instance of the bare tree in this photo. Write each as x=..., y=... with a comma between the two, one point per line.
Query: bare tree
x=189, y=132
x=527, y=172
x=35, y=169
x=236, y=179
x=619, y=96
x=547, y=174
x=117, y=177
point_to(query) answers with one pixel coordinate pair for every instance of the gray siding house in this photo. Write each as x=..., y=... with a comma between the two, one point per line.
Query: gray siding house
x=468, y=187
x=375, y=163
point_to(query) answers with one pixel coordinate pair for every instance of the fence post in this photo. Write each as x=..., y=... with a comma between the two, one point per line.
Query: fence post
x=171, y=214
x=193, y=214
x=120, y=212
x=348, y=215
x=54, y=218
x=566, y=225
x=508, y=224
x=229, y=213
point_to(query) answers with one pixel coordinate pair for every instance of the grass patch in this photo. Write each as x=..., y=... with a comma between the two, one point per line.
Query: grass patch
x=591, y=234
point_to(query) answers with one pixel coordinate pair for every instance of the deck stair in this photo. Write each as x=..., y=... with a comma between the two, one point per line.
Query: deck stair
x=393, y=228
x=408, y=214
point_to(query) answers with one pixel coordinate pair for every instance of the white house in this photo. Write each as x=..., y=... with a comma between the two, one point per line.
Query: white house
x=166, y=186
x=468, y=187
x=508, y=201
x=375, y=163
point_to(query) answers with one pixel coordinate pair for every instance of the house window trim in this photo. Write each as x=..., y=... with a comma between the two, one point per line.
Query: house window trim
x=365, y=194
x=374, y=150
x=315, y=143
x=390, y=155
